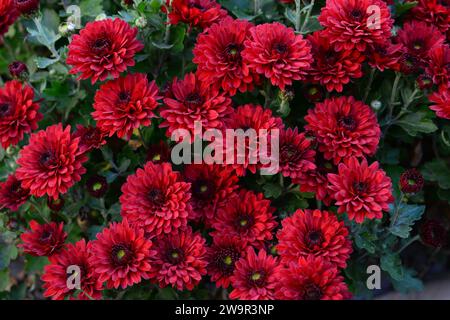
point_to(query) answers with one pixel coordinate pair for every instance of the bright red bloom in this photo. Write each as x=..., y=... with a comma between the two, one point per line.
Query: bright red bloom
x=8, y=15
x=439, y=65
x=276, y=52
x=196, y=13
x=212, y=186
x=19, y=114
x=12, y=195
x=248, y=216
x=103, y=48
x=90, y=138
x=218, y=55
x=180, y=259
x=350, y=25
x=385, y=56
x=311, y=278
x=222, y=257
x=411, y=181
x=43, y=240
x=440, y=100
x=330, y=68
x=121, y=255
x=296, y=153
x=344, y=127
x=156, y=199
x=51, y=163
x=125, y=104
x=194, y=101
x=254, y=118
x=435, y=12
x=361, y=190
x=314, y=232
x=254, y=277
x=55, y=274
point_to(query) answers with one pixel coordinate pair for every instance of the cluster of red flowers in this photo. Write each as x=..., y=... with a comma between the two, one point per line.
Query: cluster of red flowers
x=162, y=209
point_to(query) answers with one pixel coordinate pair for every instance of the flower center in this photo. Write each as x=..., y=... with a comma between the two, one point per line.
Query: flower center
x=47, y=159
x=360, y=187
x=100, y=46
x=418, y=45
x=311, y=292
x=289, y=153
x=356, y=14
x=45, y=236
x=258, y=278
x=5, y=109
x=233, y=52
x=314, y=238
x=280, y=48
x=203, y=189
x=175, y=255
x=121, y=254
x=193, y=100
x=156, y=197
x=124, y=97
x=225, y=259
x=244, y=222
x=347, y=122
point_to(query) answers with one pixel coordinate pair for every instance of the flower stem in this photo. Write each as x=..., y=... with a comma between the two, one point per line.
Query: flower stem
x=308, y=14
x=298, y=9
x=256, y=7
x=369, y=84
x=407, y=244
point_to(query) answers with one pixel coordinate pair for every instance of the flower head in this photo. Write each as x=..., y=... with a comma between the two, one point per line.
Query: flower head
x=12, y=195
x=439, y=65
x=43, y=240
x=411, y=181
x=97, y=186
x=435, y=12
x=18, y=70
x=90, y=138
x=8, y=15
x=158, y=152
x=196, y=13
x=440, y=102
x=26, y=7
x=433, y=233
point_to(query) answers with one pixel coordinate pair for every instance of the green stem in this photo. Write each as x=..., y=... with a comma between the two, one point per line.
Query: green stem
x=397, y=211
x=394, y=93
x=268, y=95
x=256, y=7
x=369, y=84
x=141, y=136
x=407, y=244
x=308, y=14
x=298, y=9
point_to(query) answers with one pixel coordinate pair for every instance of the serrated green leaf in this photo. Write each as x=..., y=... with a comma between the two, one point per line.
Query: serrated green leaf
x=407, y=215
x=272, y=190
x=91, y=8
x=43, y=62
x=417, y=122
x=392, y=264
x=408, y=283
x=366, y=241
x=437, y=171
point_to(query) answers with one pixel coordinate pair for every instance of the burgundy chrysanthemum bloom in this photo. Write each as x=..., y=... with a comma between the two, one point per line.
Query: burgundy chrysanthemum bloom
x=385, y=56
x=158, y=152
x=313, y=92
x=125, y=104
x=218, y=55
x=330, y=68
x=212, y=186
x=411, y=181
x=440, y=102
x=156, y=199
x=8, y=15
x=433, y=233
x=439, y=65
x=248, y=216
x=43, y=240
x=19, y=114
x=90, y=138
x=311, y=278
x=255, y=276
x=314, y=232
x=26, y=6
x=121, y=255
x=256, y=118
x=180, y=260
x=276, y=52
x=222, y=257
x=350, y=25
x=97, y=186
x=196, y=13
x=103, y=48
x=344, y=127
x=361, y=190
x=12, y=195
x=194, y=101
x=51, y=163
x=55, y=274
x=418, y=39
x=55, y=204
x=18, y=70
x=435, y=12
x=296, y=153
x=424, y=81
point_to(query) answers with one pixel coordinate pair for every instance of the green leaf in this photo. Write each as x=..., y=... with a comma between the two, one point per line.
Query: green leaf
x=43, y=62
x=407, y=215
x=408, y=283
x=366, y=241
x=35, y=264
x=392, y=264
x=5, y=282
x=91, y=8
x=417, y=122
x=437, y=171
x=401, y=8
x=272, y=190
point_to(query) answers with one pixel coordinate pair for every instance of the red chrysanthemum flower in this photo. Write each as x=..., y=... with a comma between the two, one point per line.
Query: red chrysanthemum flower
x=435, y=12
x=439, y=65
x=26, y=6
x=121, y=255
x=361, y=190
x=180, y=260
x=158, y=152
x=194, y=101
x=222, y=257
x=254, y=277
x=385, y=56
x=433, y=233
x=12, y=195
x=55, y=274
x=19, y=114
x=103, y=48
x=418, y=39
x=51, y=163
x=296, y=153
x=218, y=55
x=90, y=138
x=344, y=127
x=411, y=181
x=276, y=52
x=330, y=68
x=440, y=102
x=156, y=199
x=246, y=155
x=311, y=278
x=248, y=216
x=212, y=186
x=18, y=70
x=43, y=240
x=8, y=15
x=97, y=186
x=125, y=104
x=314, y=232
x=350, y=25
x=195, y=13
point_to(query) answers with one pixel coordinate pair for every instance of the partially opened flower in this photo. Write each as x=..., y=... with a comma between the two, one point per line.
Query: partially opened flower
x=411, y=181
x=12, y=195
x=43, y=239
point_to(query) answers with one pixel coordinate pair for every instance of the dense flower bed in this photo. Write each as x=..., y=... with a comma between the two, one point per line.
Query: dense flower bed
x=92, y=92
